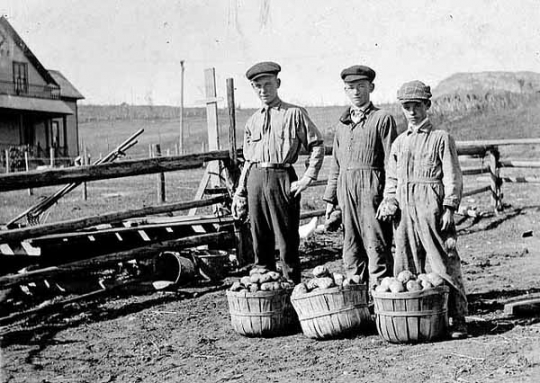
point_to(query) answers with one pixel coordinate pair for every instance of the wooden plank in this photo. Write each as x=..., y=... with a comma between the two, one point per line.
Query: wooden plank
x=515, y=141
x=145, y=252
x=526, y=306
x=75, y=224
x=126, y=230
x=212, y=123
x=200, y=191
x=39, y=178
x=520, y=164
x=476, y=191
x=474, y=171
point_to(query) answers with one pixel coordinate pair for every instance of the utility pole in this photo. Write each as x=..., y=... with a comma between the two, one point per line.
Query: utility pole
x=181, y=142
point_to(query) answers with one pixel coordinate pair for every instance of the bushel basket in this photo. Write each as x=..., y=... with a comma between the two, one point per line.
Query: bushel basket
x=262, y=313
x=412, y=317
x=333, y=312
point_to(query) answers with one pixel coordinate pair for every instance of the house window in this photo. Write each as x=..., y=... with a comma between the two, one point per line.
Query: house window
x=20, y=77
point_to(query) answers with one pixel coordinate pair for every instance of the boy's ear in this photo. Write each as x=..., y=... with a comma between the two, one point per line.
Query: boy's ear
x=372, y=87
x=428, y=104
x=278, y=82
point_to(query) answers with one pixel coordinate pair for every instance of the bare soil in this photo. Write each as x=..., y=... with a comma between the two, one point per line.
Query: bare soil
x=142, y=335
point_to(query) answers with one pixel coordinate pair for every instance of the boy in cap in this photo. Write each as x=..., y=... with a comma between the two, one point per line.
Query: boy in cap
x=424, y=179
x=272, y=139
x=361, y=149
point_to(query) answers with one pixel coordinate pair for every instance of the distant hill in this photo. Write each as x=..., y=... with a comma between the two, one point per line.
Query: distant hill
x=482, y=83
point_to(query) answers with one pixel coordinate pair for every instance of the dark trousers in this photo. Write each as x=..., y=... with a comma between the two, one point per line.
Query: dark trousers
x=274, y=218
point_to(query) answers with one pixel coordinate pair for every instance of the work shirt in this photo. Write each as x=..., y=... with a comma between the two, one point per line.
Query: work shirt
x=424, y=156
x=362, y=145
x=280, y=140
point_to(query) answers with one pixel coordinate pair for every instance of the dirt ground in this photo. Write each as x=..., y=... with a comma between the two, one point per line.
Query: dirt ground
x=143, y=335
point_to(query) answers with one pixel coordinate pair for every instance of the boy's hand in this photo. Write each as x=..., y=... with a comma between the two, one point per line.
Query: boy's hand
x=447, y=219
x=299, y=186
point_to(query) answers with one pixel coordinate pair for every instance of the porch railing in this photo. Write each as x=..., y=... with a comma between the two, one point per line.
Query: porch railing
x=23, y=89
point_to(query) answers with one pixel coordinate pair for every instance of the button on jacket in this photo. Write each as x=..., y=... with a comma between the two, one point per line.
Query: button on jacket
x=290, y=128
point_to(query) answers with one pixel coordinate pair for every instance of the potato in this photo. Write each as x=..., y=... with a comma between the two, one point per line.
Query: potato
x=265, y=278
x=346, y=283
x=414, y=286
x=405, y=276
x=258, y=270
x=255, y=278
x=300, y=289
x=320, y=271
x=426, y=284
x=354, y=280
x=246, y=281
x=386, y=282
x=422, y=277
x=267, y=286
x=325, y=282
x=338, y=278
x=382, y=289
x=312, y=284
x=286, y=285
x=396, y=287
x=435, y=279
x=274, y=275
x=236, y=286
x=254, y=287
x=276, y=286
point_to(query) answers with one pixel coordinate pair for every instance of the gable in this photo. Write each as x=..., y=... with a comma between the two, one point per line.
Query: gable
x=14, y=49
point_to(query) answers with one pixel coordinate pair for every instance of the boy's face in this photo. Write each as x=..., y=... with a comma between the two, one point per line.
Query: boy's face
x=415, y=111
x=266, y=88
x=359, y=91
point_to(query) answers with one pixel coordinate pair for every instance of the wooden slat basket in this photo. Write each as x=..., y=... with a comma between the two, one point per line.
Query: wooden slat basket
x=263, y=313
x=333, y=312
x=412, y=317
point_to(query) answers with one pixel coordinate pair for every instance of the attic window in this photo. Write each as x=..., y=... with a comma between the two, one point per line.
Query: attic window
x=20, y=77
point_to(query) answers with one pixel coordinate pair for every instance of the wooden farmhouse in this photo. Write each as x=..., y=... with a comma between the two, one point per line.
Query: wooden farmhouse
x=38, y=107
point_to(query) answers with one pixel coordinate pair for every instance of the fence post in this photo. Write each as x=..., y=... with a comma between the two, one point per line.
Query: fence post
x=160, y=178
x=27, y=165
x=7, y=160
x=495, y=180
x=85, y=161
x=51, y=156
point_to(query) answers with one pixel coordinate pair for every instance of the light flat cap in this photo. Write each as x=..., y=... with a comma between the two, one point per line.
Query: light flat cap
x=357, y=72
x=414, y=91
x=264, y=68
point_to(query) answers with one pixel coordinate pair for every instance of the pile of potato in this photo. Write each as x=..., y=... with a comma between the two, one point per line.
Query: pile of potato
x=406, y=281
x=324, y=279
x=260, y=279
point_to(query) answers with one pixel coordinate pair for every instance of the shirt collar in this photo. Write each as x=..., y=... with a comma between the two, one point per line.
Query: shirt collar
x=423, y=127
x=275, y=104
x=346, y=116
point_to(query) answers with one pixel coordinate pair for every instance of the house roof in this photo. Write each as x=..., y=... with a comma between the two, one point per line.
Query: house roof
x=28, y=53
x=53, y=107
x=67, y=90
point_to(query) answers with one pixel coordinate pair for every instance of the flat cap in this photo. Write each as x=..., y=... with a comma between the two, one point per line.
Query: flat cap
x=357, y=72
x=414, y=91
x=264, y=68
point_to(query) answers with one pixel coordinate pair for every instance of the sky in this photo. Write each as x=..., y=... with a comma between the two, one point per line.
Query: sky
x=117, y=51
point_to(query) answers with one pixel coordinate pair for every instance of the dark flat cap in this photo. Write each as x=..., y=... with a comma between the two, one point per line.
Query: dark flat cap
x=262, y=69
x=414, y=91
x=357, y=72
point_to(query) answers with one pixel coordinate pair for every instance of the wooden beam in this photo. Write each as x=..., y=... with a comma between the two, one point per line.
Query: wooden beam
x=80, y=223
x=222, y=238
x=37, y=178
x=515, y=141
x=476, y=191
x=524, y=305
x=214, y=168
x=520, y=164
x=474, y=171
